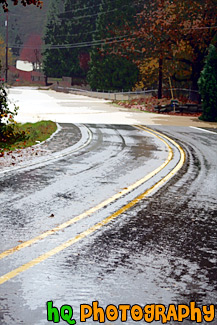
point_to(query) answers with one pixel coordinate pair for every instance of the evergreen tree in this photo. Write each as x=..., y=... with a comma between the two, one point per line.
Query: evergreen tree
x=18, y=43
x=108, y=70
x=208, y=86
x=112, y=72
x=76, y=25
x=52, y=57
x=115, y=15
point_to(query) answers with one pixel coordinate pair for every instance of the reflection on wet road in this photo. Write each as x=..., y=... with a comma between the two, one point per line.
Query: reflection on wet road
x=160, y=251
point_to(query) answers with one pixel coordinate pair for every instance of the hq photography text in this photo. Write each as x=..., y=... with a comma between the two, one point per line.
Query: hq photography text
x=147, y=314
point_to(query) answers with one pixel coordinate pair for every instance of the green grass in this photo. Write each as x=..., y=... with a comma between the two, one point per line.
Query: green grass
x=54, y=79
x=30, y=133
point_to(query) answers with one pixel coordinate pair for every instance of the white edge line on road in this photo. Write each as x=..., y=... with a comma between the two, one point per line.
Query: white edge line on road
x=194, y=127
x=78, y=146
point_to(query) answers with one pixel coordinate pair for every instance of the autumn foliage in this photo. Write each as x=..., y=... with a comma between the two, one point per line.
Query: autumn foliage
x=2, y=54
x=84, y=59
x=37, y=3
x=173, y=33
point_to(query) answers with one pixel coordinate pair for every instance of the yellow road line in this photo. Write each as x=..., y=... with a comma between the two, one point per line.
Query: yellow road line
x=182, y=153
x=97, y=226
x=94, y=209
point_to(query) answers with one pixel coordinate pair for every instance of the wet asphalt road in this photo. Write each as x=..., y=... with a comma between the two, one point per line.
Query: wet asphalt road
x=163, y=250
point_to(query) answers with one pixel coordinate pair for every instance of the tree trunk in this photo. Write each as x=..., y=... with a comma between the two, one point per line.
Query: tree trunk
x=196, y=69
x=160, y=78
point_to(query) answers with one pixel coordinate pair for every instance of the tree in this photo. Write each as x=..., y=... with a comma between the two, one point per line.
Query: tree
x=38, y=3
x=171, y=30
x=105, y=66
x=208, y=86
x=6, y=114
x=52, y=57
x=2, y=54
x=18, y=43
x=69, y=34
x=113, y=73
x=7, y=124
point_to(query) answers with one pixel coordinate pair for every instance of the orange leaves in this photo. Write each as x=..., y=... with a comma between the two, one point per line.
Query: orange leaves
x=37, y=3
x=167, y=23
x=148, y=72
x=177, y=31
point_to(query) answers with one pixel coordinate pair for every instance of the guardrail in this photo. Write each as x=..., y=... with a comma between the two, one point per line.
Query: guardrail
x=105, y=95
x=127, y=95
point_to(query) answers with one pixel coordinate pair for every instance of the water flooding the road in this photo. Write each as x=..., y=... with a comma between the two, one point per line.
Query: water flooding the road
x=161, y=251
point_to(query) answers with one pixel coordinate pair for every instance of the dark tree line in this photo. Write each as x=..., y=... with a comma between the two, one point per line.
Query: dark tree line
x=80, y=39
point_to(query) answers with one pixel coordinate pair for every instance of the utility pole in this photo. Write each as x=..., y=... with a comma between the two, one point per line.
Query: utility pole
x=6, y=49
x=160, y=71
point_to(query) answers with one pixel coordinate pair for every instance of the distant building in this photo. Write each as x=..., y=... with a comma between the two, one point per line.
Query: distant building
x=24, y=65
x=29, y=66
x=17, y=76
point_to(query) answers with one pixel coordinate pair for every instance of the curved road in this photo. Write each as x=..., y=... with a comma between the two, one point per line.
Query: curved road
x=161, y=250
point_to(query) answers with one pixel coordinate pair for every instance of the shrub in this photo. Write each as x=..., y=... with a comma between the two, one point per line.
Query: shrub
x=112, y=72
x=208, y=86
x=8, y=131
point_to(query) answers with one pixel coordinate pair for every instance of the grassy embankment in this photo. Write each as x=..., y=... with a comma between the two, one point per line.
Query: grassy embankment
x=20, y=136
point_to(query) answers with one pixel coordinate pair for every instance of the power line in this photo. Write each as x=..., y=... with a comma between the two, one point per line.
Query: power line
x=76, y=10
x=78, y=34
x=97, y=30
x=80, y=9
x=87, y=16
x=105, y=41
x=86, y=44
x=77, y=45
x=69, y=35
x=93, y=42
x=97, y=5
x=90, y=44
x=92, y=15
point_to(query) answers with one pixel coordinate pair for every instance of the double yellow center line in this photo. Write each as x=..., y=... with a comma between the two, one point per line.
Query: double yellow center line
x=102, y=223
